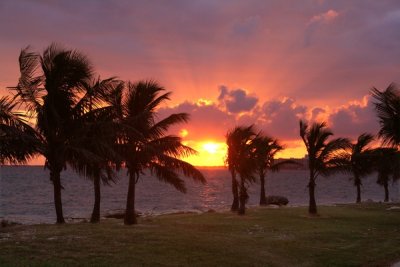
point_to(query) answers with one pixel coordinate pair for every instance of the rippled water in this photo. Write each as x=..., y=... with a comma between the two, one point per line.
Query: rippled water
x=27, y=194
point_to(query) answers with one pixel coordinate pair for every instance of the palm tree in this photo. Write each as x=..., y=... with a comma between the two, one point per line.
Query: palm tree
x=18, y=139
x=50, y=87
x=265, y=149
x=100, y=133
x=359, y=161
x=386, y=163
x=388, y=110
x=143, y=143
x=240, y=160
x=323, y=155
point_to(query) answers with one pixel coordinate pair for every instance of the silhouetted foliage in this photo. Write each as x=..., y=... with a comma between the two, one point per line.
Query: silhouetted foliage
x=17, y=138
x=323, y=156
x=388, y=111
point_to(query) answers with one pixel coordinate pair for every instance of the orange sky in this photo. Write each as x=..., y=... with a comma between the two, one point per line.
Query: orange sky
x=227, y=62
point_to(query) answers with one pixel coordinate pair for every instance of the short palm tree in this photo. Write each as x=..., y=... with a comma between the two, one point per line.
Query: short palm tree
x=18, y=139
x=50, y=87
x=265, y=149
x=323, y=155
x=143, y=144
x=359, y=161
x=387, y=165
x=240, y=160
x=388, y=111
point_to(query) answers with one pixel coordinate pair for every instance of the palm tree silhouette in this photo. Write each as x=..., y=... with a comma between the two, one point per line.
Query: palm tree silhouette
x=240, y=160
x=100, y=132
x=358, y=160
x=323, y=156
x=50, y=87
x=387, y=164
x=143, y=144
x=265, y=149
x=388, y=110
x=18, y=139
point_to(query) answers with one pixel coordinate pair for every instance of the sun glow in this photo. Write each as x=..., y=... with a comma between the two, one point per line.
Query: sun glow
x=209, y=153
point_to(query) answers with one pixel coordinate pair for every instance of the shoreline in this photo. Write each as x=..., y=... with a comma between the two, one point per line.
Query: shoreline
x=118, y=214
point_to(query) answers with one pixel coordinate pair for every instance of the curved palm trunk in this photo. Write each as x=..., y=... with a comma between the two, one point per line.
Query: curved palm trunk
x=130, y=216
x=235, y=203
x=55, y=178
x=242, y=198
x=312, y=207
x=263, y=199
x=386, y=186
x=97, y=196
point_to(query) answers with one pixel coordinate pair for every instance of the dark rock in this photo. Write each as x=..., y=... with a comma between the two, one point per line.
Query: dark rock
x=277, y=200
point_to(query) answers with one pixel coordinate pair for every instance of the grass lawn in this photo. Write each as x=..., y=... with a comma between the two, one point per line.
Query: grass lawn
x=346, y=235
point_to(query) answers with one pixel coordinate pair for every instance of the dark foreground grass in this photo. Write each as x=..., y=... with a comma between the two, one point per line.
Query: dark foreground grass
x=348, y=235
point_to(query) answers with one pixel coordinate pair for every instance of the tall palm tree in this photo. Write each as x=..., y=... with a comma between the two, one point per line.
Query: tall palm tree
x=388, y=111
x=143, y=143
x=240, y=160
x=17, y=137
x=359, y=161
x=387, y=164
x=323, y=155
x=50, y=87
x=265, y=149
x=100, y=134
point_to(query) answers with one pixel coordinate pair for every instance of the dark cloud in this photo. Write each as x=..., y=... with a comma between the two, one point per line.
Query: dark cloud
x=354, y=119
x=281, y=118
x=236, y=100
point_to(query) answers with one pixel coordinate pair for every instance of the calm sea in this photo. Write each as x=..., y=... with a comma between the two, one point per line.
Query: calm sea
x=27, y=194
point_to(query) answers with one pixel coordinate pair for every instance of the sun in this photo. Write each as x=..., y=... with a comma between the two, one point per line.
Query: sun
x=211, y=147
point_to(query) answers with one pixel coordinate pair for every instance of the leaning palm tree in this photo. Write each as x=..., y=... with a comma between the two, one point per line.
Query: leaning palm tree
x=240, y=160
x=387, y=165
x=143, y=144
x=388, y=111
x=323, y=155
x=265, y=149
x=358, y=160
x=236, y=142
x=17, y=137
x=50, y=87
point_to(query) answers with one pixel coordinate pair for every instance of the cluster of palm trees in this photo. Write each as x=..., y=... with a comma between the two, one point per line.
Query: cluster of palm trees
x=251, y=154
x=91, y=125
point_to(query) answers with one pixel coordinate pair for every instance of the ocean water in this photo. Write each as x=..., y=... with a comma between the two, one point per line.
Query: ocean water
x=26, y=193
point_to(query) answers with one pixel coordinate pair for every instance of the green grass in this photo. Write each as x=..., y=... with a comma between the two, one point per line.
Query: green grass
x=347, y=235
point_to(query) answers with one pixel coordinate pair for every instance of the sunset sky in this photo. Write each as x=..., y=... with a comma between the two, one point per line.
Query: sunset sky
x=227, y=62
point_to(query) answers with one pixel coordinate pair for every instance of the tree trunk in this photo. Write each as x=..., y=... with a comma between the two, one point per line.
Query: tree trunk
x=242, y=198
x=312, y=207
x=55, y=178
x=235, y=203
x=385, y=185
x=358, y=193
x=130, y=216
x=97, y=196
x=263, y=199
x=357, y=182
